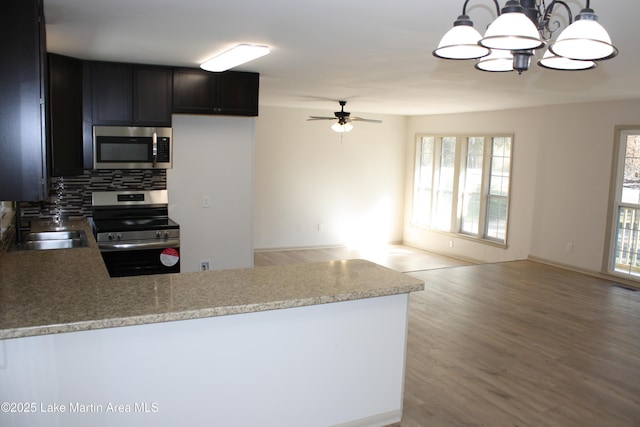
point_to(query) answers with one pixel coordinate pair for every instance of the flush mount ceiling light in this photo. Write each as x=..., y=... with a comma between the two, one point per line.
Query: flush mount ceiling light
x=233, y=57
x=522, y=27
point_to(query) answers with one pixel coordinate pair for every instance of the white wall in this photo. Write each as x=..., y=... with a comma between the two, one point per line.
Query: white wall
x=339, y=364
x=359, y=189
x=213, y=156
x=560, y=186
x=306, y=175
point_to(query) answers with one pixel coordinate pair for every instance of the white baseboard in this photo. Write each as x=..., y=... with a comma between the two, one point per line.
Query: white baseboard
x=379, y=420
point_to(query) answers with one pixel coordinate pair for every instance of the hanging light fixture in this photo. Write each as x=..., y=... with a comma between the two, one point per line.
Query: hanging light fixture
x=555, y=62
x=498, y=61
x=512, y=30
x=585, y=39
x=461, y=42
x=521, y=28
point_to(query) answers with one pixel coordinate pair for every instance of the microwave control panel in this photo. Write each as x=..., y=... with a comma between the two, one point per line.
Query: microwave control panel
x=163, y=150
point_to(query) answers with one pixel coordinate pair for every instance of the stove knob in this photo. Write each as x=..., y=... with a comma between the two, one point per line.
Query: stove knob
x=110, y=236
x=166, y=234
x=158, y=235
x=119, y=236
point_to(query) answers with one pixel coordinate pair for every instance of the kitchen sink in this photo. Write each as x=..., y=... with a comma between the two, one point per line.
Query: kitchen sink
x=45, y=240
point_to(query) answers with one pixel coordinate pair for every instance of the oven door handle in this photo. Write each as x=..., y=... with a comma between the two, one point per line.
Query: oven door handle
x=138, y=246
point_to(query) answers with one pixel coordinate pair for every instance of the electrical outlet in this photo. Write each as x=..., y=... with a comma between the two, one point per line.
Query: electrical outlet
x=205, y=265
x=206, y=201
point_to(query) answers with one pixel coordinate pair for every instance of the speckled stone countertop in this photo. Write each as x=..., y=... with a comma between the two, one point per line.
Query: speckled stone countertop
x=65, y=290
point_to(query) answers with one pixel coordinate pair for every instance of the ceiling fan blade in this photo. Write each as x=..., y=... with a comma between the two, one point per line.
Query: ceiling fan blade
x=320, y=118
x=360, y=119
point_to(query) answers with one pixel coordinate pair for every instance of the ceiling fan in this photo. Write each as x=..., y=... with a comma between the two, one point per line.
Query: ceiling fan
x=343, y=118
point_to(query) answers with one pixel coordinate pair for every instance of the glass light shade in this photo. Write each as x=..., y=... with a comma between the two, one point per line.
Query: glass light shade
x=584, y=40
x=233, y=57
x=498, y=61
x=337, y=127
x=555, y=62
x=512, y=31
x=461, y=42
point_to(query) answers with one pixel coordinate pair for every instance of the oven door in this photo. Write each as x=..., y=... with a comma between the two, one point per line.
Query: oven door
x=142, y=262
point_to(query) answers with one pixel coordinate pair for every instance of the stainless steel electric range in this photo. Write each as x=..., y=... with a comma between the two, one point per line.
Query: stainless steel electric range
x=134, y=232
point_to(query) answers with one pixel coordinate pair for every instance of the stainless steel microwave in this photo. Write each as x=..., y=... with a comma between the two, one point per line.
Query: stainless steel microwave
x=122, y=147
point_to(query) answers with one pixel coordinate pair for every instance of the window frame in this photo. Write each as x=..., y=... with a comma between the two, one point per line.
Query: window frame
x=615, y=203
x=461, y=158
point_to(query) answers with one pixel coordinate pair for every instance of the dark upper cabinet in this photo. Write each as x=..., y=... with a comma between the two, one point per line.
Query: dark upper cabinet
x=231, y=93
x=130, y=94
x=22, y=100
x=112, y=93
x=65, y=139
x=152, y=95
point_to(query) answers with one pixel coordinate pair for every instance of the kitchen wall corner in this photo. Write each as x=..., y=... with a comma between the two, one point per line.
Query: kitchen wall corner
x=214, y=157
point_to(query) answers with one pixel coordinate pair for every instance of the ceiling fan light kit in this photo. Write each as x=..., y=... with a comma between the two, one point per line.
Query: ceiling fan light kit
x=340, y=128
x=238, y=55
x=523, y=26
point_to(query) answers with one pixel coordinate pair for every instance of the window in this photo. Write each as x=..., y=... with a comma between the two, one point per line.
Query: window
x=462, y=185
x=624, y=258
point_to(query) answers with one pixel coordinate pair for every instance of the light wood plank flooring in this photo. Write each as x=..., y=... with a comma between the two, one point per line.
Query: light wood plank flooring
x=513, y=344
x=398, y=257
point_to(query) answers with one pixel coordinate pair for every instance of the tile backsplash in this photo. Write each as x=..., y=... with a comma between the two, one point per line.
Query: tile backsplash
x=70, y=196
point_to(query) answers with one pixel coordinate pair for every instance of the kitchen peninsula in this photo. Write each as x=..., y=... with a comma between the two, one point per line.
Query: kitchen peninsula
x=311, y=344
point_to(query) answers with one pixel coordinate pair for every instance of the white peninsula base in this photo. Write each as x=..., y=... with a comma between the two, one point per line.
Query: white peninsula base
x=336, y=364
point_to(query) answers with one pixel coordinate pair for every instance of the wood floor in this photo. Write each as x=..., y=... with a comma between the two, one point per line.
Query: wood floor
x=512, y=344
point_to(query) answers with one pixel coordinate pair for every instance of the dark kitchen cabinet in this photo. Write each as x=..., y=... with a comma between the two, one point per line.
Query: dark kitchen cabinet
x=130, y=94
x=65, y=139
x=22, y=101
x=152, y=87
x=233, y=93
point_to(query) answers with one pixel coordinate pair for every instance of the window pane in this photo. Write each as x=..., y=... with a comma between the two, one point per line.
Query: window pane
x=626, y=249
x=423, y=187
x=472, y=186
x=498, y=197
x=446, y=177
x=631, y=181
x=497, y=218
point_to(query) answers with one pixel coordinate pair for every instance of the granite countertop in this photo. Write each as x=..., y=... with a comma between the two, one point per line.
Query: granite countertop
x=65, y=290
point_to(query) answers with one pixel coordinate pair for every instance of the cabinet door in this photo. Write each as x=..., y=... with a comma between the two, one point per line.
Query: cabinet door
x=152, y=95
x=22, y=116
x=112, y=89
x=65, y=148
x=238, y=93
x=193, y=91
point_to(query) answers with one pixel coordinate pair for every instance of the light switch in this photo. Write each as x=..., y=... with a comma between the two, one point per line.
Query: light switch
x=206, y=201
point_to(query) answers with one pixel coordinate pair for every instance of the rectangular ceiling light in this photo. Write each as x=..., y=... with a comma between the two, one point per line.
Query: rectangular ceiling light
x=233, y=57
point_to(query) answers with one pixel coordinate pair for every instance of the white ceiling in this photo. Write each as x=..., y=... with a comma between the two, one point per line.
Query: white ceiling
x=375, y=54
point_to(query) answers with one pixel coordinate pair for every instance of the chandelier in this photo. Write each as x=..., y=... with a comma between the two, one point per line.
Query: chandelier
x=521, y=28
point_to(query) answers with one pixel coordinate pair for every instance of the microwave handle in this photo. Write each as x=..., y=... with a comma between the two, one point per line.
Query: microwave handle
x=155, y=149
